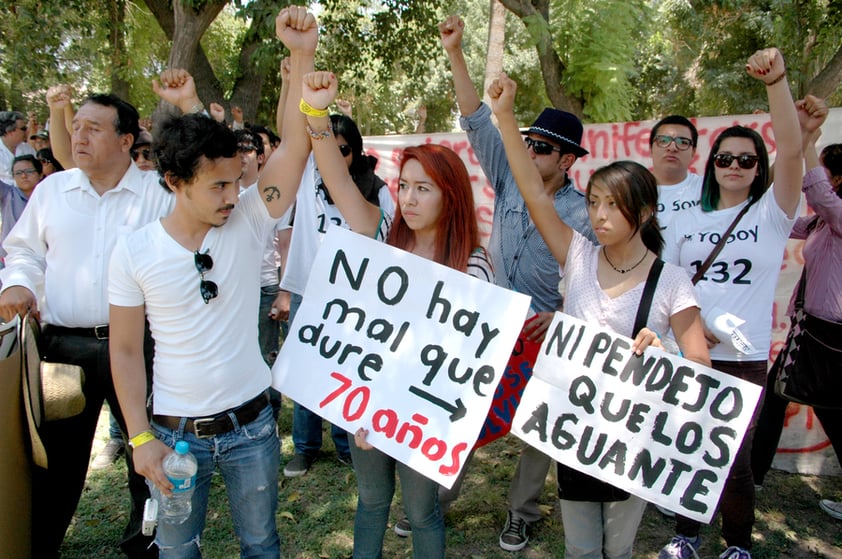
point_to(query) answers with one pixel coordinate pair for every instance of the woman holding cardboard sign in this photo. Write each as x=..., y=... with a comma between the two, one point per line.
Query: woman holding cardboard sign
x=605, y=284
x=435, y=219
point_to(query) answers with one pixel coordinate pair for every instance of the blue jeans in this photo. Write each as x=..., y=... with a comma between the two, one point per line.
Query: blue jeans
x=306, y=425
x=376, y=485
x=248, y=458
x=267, y=336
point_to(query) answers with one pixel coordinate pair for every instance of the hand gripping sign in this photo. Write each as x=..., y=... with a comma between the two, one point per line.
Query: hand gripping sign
x=658, y=426
x=410, y=350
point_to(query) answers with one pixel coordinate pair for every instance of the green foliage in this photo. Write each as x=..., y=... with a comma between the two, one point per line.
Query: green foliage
x=599, y=36
x=624, y=60
x=147, y=51
x=382, y=51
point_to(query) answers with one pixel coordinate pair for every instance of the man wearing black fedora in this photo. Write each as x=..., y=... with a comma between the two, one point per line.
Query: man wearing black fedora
x=521, y=259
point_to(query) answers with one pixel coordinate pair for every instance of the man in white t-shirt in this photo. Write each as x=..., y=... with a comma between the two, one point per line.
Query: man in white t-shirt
x=193, y=275
x=12, y=142
x=673, y=146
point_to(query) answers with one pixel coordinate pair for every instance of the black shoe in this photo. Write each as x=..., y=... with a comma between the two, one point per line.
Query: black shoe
x=298, y=466
x=513, y=537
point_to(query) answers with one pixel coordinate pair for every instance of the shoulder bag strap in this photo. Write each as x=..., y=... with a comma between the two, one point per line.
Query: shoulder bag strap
x=802, y=282
x=648, y=295
x=719, y=246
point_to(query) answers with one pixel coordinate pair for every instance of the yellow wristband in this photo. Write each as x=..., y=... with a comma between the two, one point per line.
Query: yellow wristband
x=305, y=108
x=141, y=439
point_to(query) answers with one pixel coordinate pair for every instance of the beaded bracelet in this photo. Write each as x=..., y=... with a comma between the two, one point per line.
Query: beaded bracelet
x=776, y=80
x=305, y=108
x=321, y=135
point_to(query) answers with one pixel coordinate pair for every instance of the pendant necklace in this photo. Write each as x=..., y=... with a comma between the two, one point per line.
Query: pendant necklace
x=622, y=271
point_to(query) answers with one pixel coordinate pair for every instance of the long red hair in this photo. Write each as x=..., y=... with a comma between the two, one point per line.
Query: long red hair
x=457, y=233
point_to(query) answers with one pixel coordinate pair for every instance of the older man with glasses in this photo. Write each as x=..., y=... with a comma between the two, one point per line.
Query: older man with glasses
x=58, y=253
x=12, y=141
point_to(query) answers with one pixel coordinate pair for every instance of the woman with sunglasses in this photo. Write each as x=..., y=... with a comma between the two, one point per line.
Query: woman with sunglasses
x=435, y=219
x=604, y=284
x=49, y=163
x=738, y=288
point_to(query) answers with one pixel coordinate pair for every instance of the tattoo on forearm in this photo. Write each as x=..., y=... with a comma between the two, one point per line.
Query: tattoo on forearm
x=272, y=193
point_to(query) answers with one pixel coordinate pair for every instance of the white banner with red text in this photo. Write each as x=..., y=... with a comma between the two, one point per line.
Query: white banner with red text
x=804, y=447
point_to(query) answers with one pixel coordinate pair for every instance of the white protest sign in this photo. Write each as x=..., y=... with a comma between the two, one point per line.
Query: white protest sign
x=410, y=350
x=658, y=426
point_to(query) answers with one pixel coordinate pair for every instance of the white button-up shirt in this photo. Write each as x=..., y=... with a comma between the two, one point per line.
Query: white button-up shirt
x=61, y=245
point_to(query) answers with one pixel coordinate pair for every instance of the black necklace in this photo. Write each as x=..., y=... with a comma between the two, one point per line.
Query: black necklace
x=627, y=270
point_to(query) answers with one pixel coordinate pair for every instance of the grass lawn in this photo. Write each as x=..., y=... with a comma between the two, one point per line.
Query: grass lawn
x=316, y=514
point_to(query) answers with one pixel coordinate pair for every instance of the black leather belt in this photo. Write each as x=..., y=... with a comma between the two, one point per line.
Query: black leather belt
x=204, y=427
x=99, y=332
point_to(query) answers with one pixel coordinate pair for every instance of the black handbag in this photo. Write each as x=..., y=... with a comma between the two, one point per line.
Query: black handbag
x=808, y=370
x=574, y=485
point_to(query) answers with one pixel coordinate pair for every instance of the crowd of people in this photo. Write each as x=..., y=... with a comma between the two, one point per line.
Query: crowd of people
x=108, y=228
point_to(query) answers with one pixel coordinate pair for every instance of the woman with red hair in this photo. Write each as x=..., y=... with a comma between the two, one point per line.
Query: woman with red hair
x=435, y=219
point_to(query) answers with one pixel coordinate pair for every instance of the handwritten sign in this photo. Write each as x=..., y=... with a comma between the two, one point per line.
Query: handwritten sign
x=658, y=426
x=410, y=350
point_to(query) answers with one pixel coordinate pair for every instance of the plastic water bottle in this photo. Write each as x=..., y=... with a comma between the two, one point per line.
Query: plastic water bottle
x=180, y=468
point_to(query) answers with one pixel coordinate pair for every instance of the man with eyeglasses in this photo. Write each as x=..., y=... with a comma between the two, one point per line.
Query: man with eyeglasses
x=12, y=142
x=522, y=261
x=193, y=275
x=58, y=253
x=28, y=172
x=672, y=144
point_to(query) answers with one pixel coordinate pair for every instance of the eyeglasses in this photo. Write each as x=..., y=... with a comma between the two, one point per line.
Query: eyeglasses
x=345, y=150
x=146, y=153
x=681, y=143
x=23, y=172
x=45, y=161
x=539, y=147
x=745, y=161
x=204, y=263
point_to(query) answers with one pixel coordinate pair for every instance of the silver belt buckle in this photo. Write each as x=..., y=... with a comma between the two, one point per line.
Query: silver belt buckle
x=197, y=423
x=101, y=332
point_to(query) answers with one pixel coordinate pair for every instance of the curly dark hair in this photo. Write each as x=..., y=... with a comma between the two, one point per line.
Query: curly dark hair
x=183, y=141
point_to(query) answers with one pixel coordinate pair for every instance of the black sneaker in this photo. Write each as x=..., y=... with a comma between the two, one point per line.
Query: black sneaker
x=403, y=528
x=513, y=537
x=346, y=460
x=298, y=466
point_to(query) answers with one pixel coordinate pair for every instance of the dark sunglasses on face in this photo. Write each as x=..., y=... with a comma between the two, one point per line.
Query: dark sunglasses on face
x=146, y=153
x=45, y=161
x=681, y=143
x=204, y=263
x=345, y=150
x=539, y=147
x=745, y=161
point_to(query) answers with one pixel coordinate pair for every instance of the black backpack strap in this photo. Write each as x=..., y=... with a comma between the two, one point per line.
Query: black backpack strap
x=648, y=295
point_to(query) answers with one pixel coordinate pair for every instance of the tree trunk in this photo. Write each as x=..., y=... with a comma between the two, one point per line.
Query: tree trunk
x=828, y=79
x=552, y=68
x=117, y=15
x=496, y=39
x=186, y=51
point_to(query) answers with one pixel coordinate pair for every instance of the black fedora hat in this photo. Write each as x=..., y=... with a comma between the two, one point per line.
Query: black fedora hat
x=562, y=127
